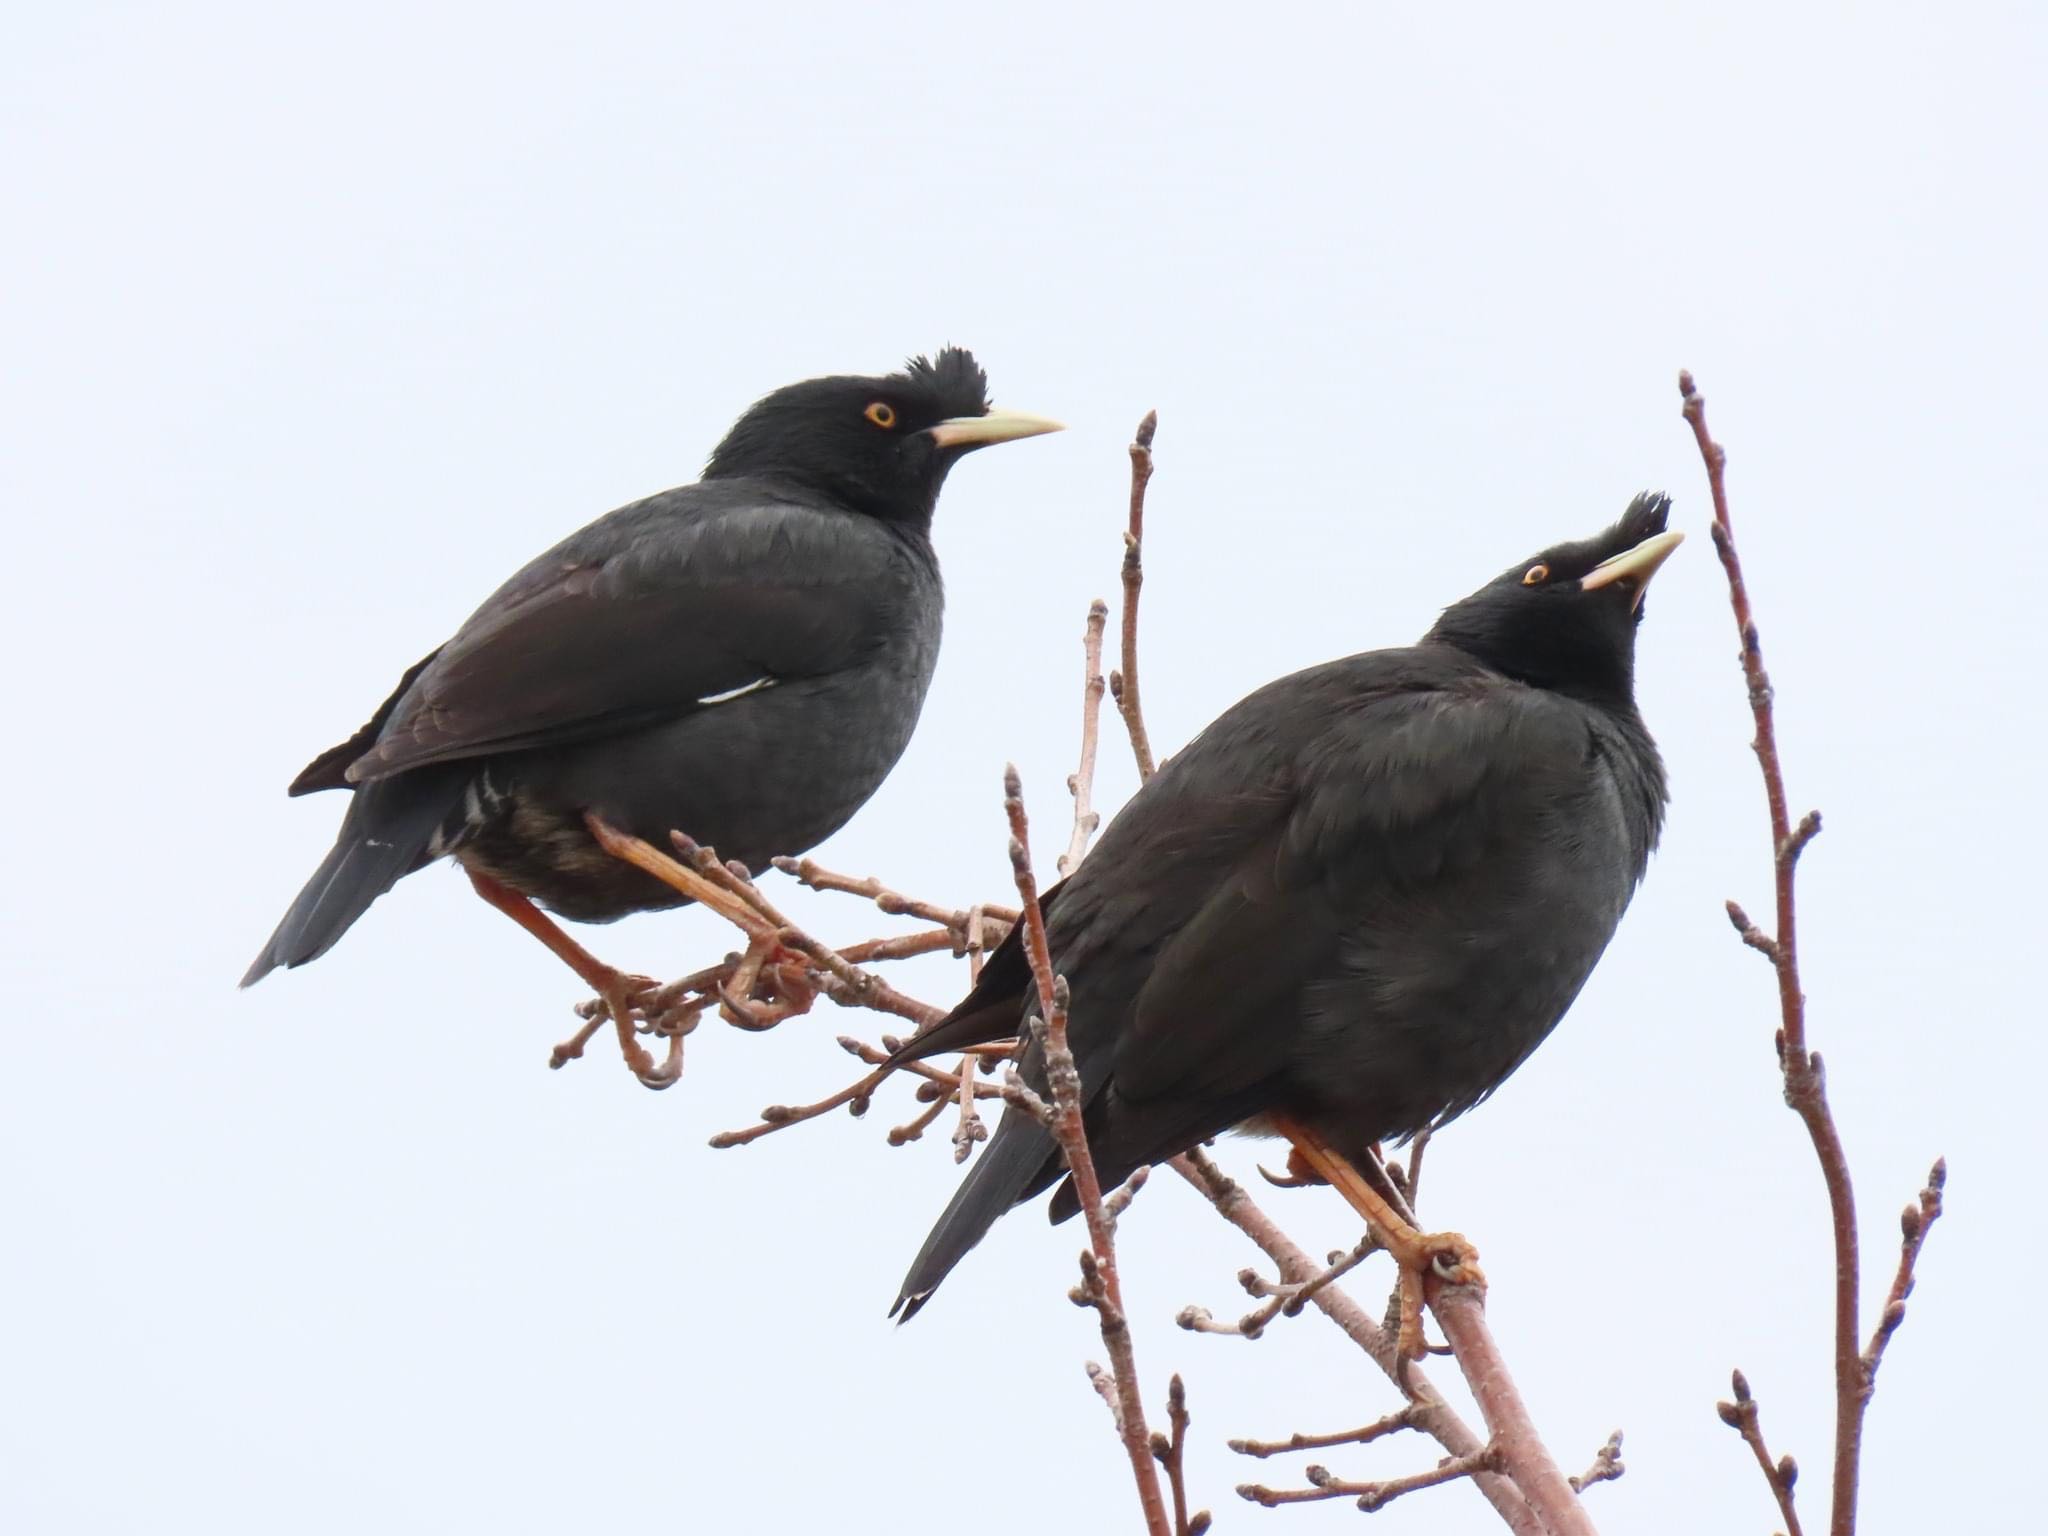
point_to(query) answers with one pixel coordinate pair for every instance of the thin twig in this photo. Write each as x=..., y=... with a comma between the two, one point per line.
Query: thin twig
x=1400, y=1419
x=1782, y=1474
x=1123, y=684
x=813, y=874
x=901, y=946
x=940, y=1085
x=1117, y=1201
x=1607, y=1465
x=1432, y=1415
x=1379, y=1494
x=837, y=977
x=1913, y=1224
x=1172, y=1455
x=1804, y=1074
x=1286, y=1300
x=970, y=1129
x=1409, y=1181
x=914, y=1129
x=1081, y=783
x=1100, y=1287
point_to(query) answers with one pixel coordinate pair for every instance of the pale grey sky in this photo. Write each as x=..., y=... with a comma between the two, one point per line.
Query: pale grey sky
x=317, y=326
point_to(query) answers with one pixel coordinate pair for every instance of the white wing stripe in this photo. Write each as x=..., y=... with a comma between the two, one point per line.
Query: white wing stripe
x=733, y=693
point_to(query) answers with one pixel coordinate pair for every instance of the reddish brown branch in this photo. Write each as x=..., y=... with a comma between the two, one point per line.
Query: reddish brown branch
x=1461, y=1309
x=1375, y=1495
x=1409, y=1181
x=1123, y=684
x=837, y=977
x=1782, y=1474
x=1100, y=1287
x=813, y=874
x=941, y=1086
x=1913, y=1224
x=1118, y=1201
x=901, y=946
x=1172, y=1455
x=778, y=1116
x=914, y=1129
x=1401, y=1419
x=1081, y=783
x=1284, y=1300
x=1805, y=1078
x=1432, y=1415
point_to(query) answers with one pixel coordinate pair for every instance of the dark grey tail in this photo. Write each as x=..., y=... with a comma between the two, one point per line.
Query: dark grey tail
x=1020, y=1161
x=383, y=838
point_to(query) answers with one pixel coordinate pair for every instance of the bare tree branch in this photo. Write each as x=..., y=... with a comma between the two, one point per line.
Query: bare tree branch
x=1913, y=1224
x=856, y=1096
x=1081, y=783
x=1172, y=1455
x=813, y=874
x=1805, y=1076
x=1461, y=1309
x=1285, y=1299
x=1431, y=1414
x=1607, y=1465
x=1375, y=1495
x=1782, y=1474
x=1123, y=684
x=1100, y=1287
x=1400, y=1419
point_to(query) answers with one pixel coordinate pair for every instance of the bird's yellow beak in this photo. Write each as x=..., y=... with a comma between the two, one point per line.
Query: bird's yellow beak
x=1637, y=565
x=995, y=427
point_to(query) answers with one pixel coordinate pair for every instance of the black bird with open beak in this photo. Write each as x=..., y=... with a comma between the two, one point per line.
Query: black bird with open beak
x=1352, y=906
x=743, y=659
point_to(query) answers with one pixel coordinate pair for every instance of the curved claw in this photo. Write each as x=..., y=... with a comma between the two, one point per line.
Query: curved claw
x=669, y=1073
x=1452, y=1258
x=1288, y=1180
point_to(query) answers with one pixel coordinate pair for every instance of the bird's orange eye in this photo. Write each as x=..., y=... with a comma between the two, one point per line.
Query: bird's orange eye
x=882, y=414
x=1536, y=575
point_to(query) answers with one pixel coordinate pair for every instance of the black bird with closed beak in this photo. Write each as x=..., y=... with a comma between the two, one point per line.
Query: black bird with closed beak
x=1352, y=906
x=742, y=659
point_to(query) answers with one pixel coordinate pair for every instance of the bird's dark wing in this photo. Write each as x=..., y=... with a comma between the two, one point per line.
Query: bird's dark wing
x=652, y=612
x=1394, y=798
x=1193, y=865
x=330, y=769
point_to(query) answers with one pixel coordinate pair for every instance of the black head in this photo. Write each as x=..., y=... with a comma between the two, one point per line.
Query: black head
x=880, y=445
x=1566, y=619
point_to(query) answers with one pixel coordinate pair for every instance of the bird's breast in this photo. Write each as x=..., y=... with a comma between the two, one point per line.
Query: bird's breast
x=1438, y=990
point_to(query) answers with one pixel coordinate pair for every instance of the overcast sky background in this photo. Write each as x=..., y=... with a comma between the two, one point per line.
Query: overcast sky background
x=314, y=329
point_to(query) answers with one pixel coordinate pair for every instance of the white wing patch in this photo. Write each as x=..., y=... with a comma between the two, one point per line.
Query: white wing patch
x=737, y=693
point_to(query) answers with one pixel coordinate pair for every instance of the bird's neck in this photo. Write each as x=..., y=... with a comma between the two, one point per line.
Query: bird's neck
x=912, y=520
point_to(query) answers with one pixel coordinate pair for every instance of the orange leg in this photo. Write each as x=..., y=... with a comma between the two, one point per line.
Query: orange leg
x=645, y=856
x=764, y=944
x=1449, y=1255
x=614, y=987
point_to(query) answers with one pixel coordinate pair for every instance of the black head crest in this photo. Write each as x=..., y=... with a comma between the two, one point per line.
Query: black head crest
x=952, y=379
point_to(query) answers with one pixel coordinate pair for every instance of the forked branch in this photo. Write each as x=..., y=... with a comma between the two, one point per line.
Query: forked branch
x=1804, y=1076
x=1100, y=1286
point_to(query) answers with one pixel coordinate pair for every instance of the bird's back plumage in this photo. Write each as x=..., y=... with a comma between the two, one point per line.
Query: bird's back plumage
x=742, y=659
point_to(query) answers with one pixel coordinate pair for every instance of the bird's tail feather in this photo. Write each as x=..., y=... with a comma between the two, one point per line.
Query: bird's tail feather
x=1021, y=1160
x=384, y=837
